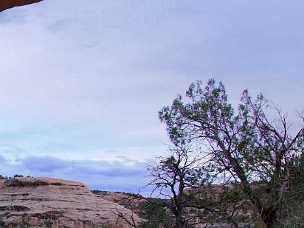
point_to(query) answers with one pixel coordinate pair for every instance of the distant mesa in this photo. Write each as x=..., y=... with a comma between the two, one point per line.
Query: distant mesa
x=7, y=4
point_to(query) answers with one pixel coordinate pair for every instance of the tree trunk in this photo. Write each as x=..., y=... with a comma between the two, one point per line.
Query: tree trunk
x=180, y=223
x=269, y=216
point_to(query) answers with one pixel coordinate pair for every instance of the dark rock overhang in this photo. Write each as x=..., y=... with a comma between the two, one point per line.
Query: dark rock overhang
x=7, y=4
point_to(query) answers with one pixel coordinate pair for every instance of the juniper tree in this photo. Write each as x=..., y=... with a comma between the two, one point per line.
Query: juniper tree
x=243, y=141
x=173, y=175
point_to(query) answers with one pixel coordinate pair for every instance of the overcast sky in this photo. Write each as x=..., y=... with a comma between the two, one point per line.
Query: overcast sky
x=81, y=82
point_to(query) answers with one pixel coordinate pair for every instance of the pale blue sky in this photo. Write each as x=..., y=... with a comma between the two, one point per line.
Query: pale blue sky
x=81, y=82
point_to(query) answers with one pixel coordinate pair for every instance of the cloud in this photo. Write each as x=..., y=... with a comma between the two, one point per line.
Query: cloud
x=119, y=168
x=119, y=175
x=86, y=81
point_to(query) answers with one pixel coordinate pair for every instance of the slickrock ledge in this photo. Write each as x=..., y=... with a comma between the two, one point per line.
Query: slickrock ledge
x=48, y=202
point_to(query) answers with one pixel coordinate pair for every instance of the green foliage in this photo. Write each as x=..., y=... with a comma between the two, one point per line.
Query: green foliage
x=243, y=142
x=206, y=116
x=25, y=222
x=156, y=215
x=292, y=215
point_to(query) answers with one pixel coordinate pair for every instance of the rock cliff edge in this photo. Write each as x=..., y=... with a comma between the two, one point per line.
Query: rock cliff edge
x=48, y=202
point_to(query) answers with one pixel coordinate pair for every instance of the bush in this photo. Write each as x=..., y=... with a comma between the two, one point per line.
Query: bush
x=155, y=214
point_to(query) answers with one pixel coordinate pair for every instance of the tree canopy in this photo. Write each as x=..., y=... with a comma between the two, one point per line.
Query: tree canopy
x=251, y=143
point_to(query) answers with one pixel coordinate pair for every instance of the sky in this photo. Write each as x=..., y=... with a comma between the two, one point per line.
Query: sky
x=81, y=82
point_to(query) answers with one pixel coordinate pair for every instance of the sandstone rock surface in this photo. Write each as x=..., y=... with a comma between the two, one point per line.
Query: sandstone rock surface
x=7, y=4
x=133, y=202
x=48, y=202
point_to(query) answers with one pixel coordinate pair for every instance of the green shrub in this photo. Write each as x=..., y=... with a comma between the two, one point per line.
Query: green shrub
x=156, y=215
